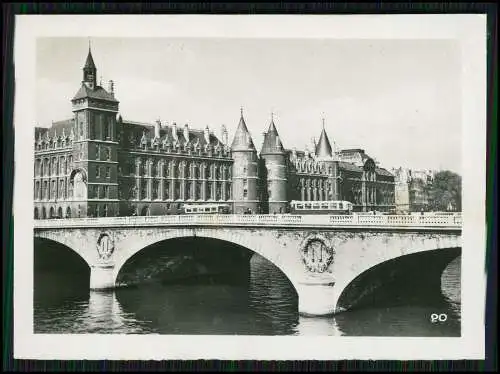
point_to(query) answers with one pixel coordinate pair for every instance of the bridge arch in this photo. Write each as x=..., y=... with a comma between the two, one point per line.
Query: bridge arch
x=75, y=244
x=344, y=284
x=243, y=241
x=56, y=261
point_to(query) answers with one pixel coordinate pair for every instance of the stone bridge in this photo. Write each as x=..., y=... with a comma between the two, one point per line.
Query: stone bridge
x=320, y=255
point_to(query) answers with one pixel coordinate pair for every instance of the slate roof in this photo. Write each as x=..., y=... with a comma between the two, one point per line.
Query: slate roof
x=57, y=128
x=350, y=167
x=272, y=142
x=97, y=93
x=323, y=148
x=384, y=172
x=89, y=63
x=242, y=140
x=138, y=129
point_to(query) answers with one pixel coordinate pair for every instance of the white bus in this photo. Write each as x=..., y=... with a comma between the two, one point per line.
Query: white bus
x=321, y=207
x=206, y=209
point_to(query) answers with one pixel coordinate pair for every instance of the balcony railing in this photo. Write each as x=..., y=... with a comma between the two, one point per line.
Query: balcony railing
x=356, y=220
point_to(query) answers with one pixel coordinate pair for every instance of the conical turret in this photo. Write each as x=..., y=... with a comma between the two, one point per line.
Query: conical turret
x=273, y=172
x=242, y=140
x=323, y=148
x=244, y=170
x=272, y=143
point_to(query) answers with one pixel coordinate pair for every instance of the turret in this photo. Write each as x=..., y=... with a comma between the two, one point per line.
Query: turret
x=273, y=156
x=325, y=155
x=90, y=71
x=244, y=170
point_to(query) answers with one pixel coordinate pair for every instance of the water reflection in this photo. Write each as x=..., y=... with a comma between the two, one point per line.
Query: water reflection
x=267, y=305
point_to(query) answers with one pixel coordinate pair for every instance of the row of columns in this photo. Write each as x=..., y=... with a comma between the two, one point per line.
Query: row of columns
x=315, y=193
x=223, y=170
x=48, y=167
x=178, y=189
x=51, y=189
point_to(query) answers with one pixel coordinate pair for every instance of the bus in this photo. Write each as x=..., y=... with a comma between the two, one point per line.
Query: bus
x=320, y=207
x=206, y=209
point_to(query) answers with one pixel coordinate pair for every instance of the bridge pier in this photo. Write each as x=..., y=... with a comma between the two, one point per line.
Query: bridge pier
x=316, y=299
x=102, y=277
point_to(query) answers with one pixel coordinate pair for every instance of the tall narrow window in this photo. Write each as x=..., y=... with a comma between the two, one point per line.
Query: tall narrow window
x=98, y=172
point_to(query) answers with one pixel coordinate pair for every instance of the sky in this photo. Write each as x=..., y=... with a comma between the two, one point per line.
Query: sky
x=399, y=100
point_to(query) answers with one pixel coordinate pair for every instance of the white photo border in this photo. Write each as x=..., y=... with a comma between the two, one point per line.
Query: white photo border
x=468, y=30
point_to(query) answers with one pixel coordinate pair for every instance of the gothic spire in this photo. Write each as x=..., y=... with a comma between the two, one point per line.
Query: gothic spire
x=89, y=63
x=323, y=148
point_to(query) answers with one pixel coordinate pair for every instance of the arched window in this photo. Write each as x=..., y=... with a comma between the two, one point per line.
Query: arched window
x=61, y=190
x=59, y=213
x=166, y=191
x=37, y=190
x=54, y=190
x=52, y=212
x=145, y=211
x=156, y=191
x=105, y=131
x=153, y=169
x=41, y=168
x=36, y=213
x=144, y=190
x=44, y=213
x=68, y=212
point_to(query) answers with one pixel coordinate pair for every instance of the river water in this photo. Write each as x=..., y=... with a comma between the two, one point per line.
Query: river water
x=267, y=305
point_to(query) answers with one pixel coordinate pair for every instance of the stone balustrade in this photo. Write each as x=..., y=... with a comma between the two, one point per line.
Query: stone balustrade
x=355, y=220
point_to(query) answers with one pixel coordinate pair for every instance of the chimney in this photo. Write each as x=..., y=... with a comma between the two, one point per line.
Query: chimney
x=174, y=131
x=111, y=88
x=207, y=135
x=224, y=135
x=186, y=132
x=157, y=129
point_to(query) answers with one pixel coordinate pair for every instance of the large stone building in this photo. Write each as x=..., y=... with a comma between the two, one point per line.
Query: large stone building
x=411, y=189
x=98, y=164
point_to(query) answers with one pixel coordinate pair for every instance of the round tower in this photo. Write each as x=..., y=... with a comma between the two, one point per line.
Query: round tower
x=325, y=155
x=275, y=175
x=244, y=171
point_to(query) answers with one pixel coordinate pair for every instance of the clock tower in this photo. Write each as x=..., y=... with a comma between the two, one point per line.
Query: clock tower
x=94, y=175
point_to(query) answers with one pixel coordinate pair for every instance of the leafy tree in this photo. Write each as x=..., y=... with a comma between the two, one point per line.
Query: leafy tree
x=445, y=191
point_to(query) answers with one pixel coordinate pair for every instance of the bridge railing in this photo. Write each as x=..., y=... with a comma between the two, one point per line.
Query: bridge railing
x=364, y=220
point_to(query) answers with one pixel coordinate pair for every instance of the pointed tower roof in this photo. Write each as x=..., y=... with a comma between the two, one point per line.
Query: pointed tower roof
x=242, y=140
x=89, y=63
x=272, y=142
x=323, y=148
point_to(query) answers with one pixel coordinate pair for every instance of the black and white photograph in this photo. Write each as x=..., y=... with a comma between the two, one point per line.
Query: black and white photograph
x=254, y=187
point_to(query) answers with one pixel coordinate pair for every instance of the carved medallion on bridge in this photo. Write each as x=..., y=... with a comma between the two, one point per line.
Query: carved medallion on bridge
x=317, y=254
x=105, y=246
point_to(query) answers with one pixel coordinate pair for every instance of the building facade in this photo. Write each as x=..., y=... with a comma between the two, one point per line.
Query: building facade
x=411, y=189
x=98, y=164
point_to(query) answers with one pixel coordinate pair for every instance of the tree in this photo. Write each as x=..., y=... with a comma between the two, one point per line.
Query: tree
x=445, y=191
